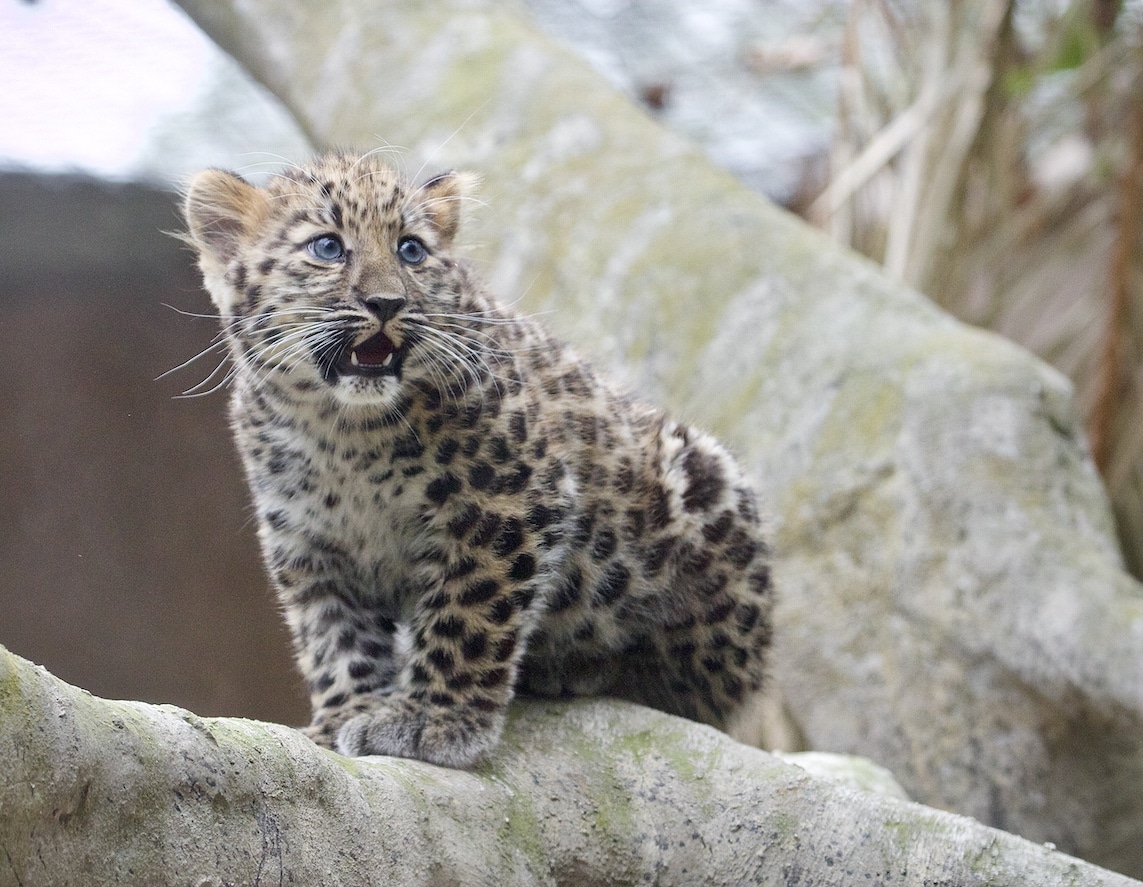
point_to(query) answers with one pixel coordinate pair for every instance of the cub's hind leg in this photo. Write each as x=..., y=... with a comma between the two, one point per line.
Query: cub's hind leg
x=706, y=665
x=716, y=661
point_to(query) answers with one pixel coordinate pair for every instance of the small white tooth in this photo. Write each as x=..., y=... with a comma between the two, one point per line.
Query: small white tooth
x=388, y=360
x=353, y=359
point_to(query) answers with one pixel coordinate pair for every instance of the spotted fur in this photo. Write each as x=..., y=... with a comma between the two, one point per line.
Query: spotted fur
x=453, y=506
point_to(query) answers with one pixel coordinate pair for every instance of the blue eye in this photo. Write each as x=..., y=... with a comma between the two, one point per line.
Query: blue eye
x=411, y=251
x=326, y=248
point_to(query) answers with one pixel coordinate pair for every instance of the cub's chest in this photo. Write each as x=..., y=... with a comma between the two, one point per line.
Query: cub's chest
x=369, y=497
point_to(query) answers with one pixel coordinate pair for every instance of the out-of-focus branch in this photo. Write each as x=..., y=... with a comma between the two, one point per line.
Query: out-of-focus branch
x=1124, y=259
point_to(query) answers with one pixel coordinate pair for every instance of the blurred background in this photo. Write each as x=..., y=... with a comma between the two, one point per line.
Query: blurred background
x=986, y=152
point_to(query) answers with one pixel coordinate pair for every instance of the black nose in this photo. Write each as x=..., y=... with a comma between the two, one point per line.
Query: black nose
x=385, y=307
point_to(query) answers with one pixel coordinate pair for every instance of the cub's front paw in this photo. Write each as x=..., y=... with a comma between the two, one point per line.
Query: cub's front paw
x=328, y=721
x=451, y=736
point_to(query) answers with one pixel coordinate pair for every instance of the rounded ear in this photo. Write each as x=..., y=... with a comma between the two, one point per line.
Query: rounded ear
x=221, y=211
x=441, y=197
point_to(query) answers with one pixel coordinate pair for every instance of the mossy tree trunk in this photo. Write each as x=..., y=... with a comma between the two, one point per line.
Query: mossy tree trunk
x=124, y=793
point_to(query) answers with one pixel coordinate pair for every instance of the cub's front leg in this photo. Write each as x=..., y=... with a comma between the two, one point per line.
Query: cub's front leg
x=453, y=691
x=345, y=644
x=346, y=652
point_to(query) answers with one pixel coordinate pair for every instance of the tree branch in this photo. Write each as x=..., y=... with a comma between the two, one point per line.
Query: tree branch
x=124, y=793
x=1124, y=260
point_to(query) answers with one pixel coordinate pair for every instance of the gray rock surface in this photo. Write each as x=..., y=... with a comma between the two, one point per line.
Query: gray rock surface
x=953, y=605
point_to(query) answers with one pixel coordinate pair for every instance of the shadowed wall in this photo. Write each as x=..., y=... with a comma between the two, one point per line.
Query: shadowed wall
x=128, y=563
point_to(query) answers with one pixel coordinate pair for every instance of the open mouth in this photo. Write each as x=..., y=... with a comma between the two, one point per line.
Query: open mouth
x=375, y=356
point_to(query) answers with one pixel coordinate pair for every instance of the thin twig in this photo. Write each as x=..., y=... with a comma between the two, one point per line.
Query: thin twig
x=1101, y=422
x=878, y=153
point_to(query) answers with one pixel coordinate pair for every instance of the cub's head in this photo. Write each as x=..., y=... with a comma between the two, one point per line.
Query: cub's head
x=335, y=278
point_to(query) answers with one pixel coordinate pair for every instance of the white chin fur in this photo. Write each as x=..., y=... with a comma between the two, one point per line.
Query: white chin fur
x=363, y=391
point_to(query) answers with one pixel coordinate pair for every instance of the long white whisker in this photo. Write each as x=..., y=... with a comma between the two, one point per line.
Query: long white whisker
x=443, y=364
x=277, y=160
x=186, y=363
x=284, y=353
x=186, y=313
x=194, y=391
x=464, y=350
x=454, y=198
x=408, y=425
x=395, y=151
x=478, y=339
x=464, y=356
x=452, y=135
x=491, y=315
x=441, y=370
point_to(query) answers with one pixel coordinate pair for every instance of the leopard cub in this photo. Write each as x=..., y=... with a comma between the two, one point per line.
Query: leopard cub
x=454, y=507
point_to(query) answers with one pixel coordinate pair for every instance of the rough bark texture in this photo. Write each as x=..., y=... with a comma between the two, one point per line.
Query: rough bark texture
x=123, y=793
x=953, y=602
